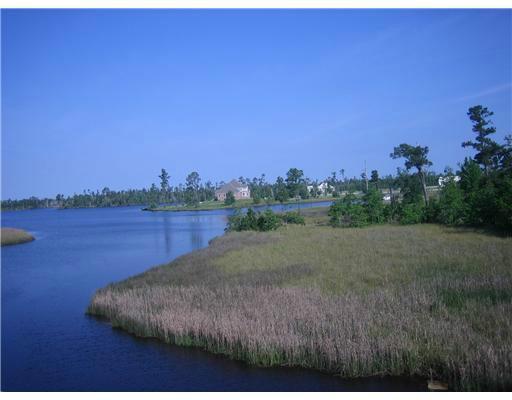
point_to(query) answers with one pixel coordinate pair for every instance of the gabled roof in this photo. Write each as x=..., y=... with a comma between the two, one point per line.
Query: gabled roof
x=232, y=186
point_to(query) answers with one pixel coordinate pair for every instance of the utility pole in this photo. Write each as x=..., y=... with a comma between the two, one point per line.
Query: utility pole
x=365, y=176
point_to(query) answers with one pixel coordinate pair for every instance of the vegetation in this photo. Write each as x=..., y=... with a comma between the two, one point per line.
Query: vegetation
x=384, y=300
x=215, y=205
x=479, y=195
x=262, y=221
x=14, y=236
x=230, y=199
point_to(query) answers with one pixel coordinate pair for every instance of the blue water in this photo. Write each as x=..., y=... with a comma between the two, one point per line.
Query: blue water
x=49, y=344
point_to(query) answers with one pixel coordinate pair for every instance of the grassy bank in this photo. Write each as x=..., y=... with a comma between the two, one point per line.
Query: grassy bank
x=14, y=236
x=217, y=205
x=385, y=300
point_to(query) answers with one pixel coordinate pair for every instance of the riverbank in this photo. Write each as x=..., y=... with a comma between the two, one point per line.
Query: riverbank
x=419, y=300
x=219, y=205
x=11, y=236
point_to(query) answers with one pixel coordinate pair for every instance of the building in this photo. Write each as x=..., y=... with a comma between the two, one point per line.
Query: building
x=239, y=190
x=445, y=179
x=322, y=188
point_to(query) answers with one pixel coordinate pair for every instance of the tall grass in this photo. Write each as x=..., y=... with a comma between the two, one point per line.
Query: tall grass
x=416, y=300
x=14, y=236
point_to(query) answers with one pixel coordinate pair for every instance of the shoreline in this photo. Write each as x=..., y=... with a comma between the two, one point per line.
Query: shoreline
x=248, y=297
x=221, y=205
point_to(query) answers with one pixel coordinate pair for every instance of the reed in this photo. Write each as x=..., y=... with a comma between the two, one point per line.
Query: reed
x=385, y=300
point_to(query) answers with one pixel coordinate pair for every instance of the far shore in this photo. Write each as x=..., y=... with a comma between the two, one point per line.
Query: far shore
x=219, y=205
x=12, y=236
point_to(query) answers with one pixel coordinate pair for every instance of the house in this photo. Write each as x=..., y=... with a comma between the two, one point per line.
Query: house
x=322, y=188
x=445, y=179
x=239, y=190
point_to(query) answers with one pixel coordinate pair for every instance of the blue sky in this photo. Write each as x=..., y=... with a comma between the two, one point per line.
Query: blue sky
x=95, y=98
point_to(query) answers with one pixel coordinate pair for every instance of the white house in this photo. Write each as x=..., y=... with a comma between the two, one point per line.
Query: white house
x=445, y=179
x=322, y=188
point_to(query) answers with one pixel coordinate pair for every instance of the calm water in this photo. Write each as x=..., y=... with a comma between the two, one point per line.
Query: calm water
x=48, y=344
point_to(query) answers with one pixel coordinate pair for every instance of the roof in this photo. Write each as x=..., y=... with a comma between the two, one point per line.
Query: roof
x=232, y=186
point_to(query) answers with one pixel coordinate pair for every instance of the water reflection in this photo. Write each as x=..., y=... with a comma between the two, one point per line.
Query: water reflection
x=167, y=234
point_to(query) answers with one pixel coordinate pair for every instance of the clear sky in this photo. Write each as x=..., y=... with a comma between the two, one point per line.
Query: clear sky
x=95, y=98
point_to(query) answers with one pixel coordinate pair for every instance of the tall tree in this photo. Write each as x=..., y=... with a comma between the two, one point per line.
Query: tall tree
x=164, y=183
x=294, y=181
x=375, y=178
x=415, y=156
x=192, y=189
x=488, y=151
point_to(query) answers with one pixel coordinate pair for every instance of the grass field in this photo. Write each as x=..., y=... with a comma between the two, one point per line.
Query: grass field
x=385, y=300
x=14, y=236
x=216, y=205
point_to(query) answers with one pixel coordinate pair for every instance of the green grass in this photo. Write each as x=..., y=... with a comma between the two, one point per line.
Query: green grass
x=216, y=205
x=14, y=236
x=384, y=300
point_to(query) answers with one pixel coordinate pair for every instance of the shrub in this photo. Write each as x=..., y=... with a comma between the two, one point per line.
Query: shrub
x=292, y=218
x=412, y=213
x=230, y=199
x=348, y=212
x=253, y=221
x=373, y=206
x=452, y=209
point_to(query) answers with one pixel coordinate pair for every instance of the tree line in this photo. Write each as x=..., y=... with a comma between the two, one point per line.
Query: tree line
x=478, y=194
x=292, y=186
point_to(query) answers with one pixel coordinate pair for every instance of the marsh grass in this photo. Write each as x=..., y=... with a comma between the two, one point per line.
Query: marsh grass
x=383, y=300
x=11, y=236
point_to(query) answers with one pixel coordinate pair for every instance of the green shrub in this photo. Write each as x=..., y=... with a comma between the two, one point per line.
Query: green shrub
x=230, y=199
x=292, y=217
x=348, y=212
x=412, y=213
x=253, y=221
x=373, y=206
x=268, y=221
x=452, y=209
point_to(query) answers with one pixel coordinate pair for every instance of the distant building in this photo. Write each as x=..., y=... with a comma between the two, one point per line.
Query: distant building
x=239, y=190
x=445, y=179
x=322, y=188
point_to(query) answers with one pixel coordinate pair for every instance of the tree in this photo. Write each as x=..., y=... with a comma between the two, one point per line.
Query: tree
x=488, y=151
x=164, y=183
x=415, y=156
x=230, y=198
x=294, y=181
x=373, y=206
x=375, y=178
x=281, y=191
x=192, y=189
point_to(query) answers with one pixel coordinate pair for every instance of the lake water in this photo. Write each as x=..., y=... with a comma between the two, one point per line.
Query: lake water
x=49, y=344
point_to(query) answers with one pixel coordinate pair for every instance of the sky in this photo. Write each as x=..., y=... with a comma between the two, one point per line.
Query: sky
x=106, y=98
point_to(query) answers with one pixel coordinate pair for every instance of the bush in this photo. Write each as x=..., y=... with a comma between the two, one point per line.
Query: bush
x=373, y=206
x=348, y=212
x=253, y=221
x=412, y=213
x=230, y=199
x=292, y=218
x=452, y=209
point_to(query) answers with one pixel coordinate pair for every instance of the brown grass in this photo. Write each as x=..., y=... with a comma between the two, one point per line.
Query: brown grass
x=385, y=300
x=14, y=236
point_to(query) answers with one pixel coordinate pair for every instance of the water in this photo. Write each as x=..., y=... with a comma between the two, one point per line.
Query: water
x=49, y=344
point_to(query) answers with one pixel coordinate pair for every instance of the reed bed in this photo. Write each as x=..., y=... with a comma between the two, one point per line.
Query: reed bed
x=419, y=300
x=11, y=236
